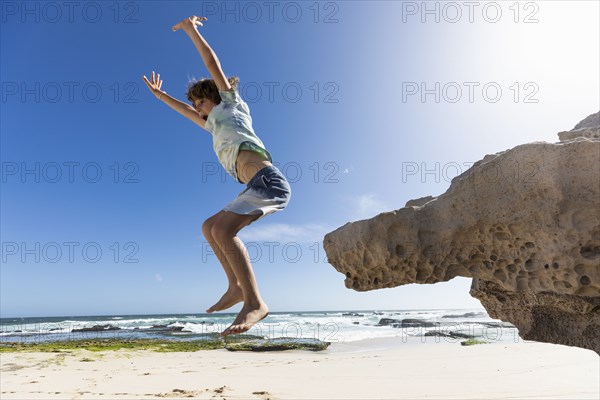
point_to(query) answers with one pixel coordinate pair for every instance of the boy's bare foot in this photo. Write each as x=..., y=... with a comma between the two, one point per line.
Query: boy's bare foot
x=232, y=296
x=247, y=317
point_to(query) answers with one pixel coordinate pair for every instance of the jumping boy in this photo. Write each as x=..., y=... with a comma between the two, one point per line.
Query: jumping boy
x=219, y=109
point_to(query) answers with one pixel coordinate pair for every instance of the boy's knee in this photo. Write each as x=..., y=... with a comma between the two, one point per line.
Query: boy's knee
x=207, y=228
x=219, y=233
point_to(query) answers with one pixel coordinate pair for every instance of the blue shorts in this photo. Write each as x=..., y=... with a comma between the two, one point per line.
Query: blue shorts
x=267, y=192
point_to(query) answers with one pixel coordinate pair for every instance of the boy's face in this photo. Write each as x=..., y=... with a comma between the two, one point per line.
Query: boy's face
x=204, y=107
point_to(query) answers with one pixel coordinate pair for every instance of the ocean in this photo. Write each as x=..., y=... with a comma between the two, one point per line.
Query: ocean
x=331, y=326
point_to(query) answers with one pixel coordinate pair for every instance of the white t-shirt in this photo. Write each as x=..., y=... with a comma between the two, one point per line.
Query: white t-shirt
x=230, y=124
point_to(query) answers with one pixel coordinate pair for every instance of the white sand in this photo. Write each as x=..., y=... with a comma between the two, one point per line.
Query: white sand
x=362, y=370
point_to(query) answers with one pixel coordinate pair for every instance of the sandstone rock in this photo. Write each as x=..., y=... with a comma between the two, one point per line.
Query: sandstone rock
x=524, y=223
x=588, y=128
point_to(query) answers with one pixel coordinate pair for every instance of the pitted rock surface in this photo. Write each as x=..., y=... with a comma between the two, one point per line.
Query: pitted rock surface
x=523, y=223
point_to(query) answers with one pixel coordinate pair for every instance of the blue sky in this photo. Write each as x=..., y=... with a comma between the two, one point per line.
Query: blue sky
x=108, y=187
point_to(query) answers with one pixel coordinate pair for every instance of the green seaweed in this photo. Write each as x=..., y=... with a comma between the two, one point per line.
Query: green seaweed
x=231, y=342
x=472, y=342
x=277, y=344
x=111, y=344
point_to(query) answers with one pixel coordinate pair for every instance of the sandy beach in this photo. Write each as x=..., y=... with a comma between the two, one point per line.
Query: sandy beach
x=372, y=369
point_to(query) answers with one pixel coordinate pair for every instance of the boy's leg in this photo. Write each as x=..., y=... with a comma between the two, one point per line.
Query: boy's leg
x=224, y=232
x=234, y=293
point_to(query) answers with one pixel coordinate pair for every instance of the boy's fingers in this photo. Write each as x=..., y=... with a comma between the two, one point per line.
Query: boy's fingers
x=151, y=86
x=147, y=83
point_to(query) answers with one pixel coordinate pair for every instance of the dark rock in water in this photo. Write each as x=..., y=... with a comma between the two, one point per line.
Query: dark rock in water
x=406, y=323
x=352, y=314
x=489, y=324
x=453, y=335
x=97, y=328
x=175, y=328
x=389, y=321
x=377, y=313
x=356, y=323
x=467, y=315
x=167, y=328
x=498, y=324
x=411, y=323
x=277, y=344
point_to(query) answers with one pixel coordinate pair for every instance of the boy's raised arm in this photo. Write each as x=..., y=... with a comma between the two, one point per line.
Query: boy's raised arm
x=209, y=57
x=182, y=108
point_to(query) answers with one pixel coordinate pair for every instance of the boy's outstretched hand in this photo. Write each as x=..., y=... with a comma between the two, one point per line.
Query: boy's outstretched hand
x=155, y=85
x=189, y=23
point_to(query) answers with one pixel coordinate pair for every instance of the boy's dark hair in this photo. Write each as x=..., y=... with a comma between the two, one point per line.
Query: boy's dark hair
x=206, y=88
